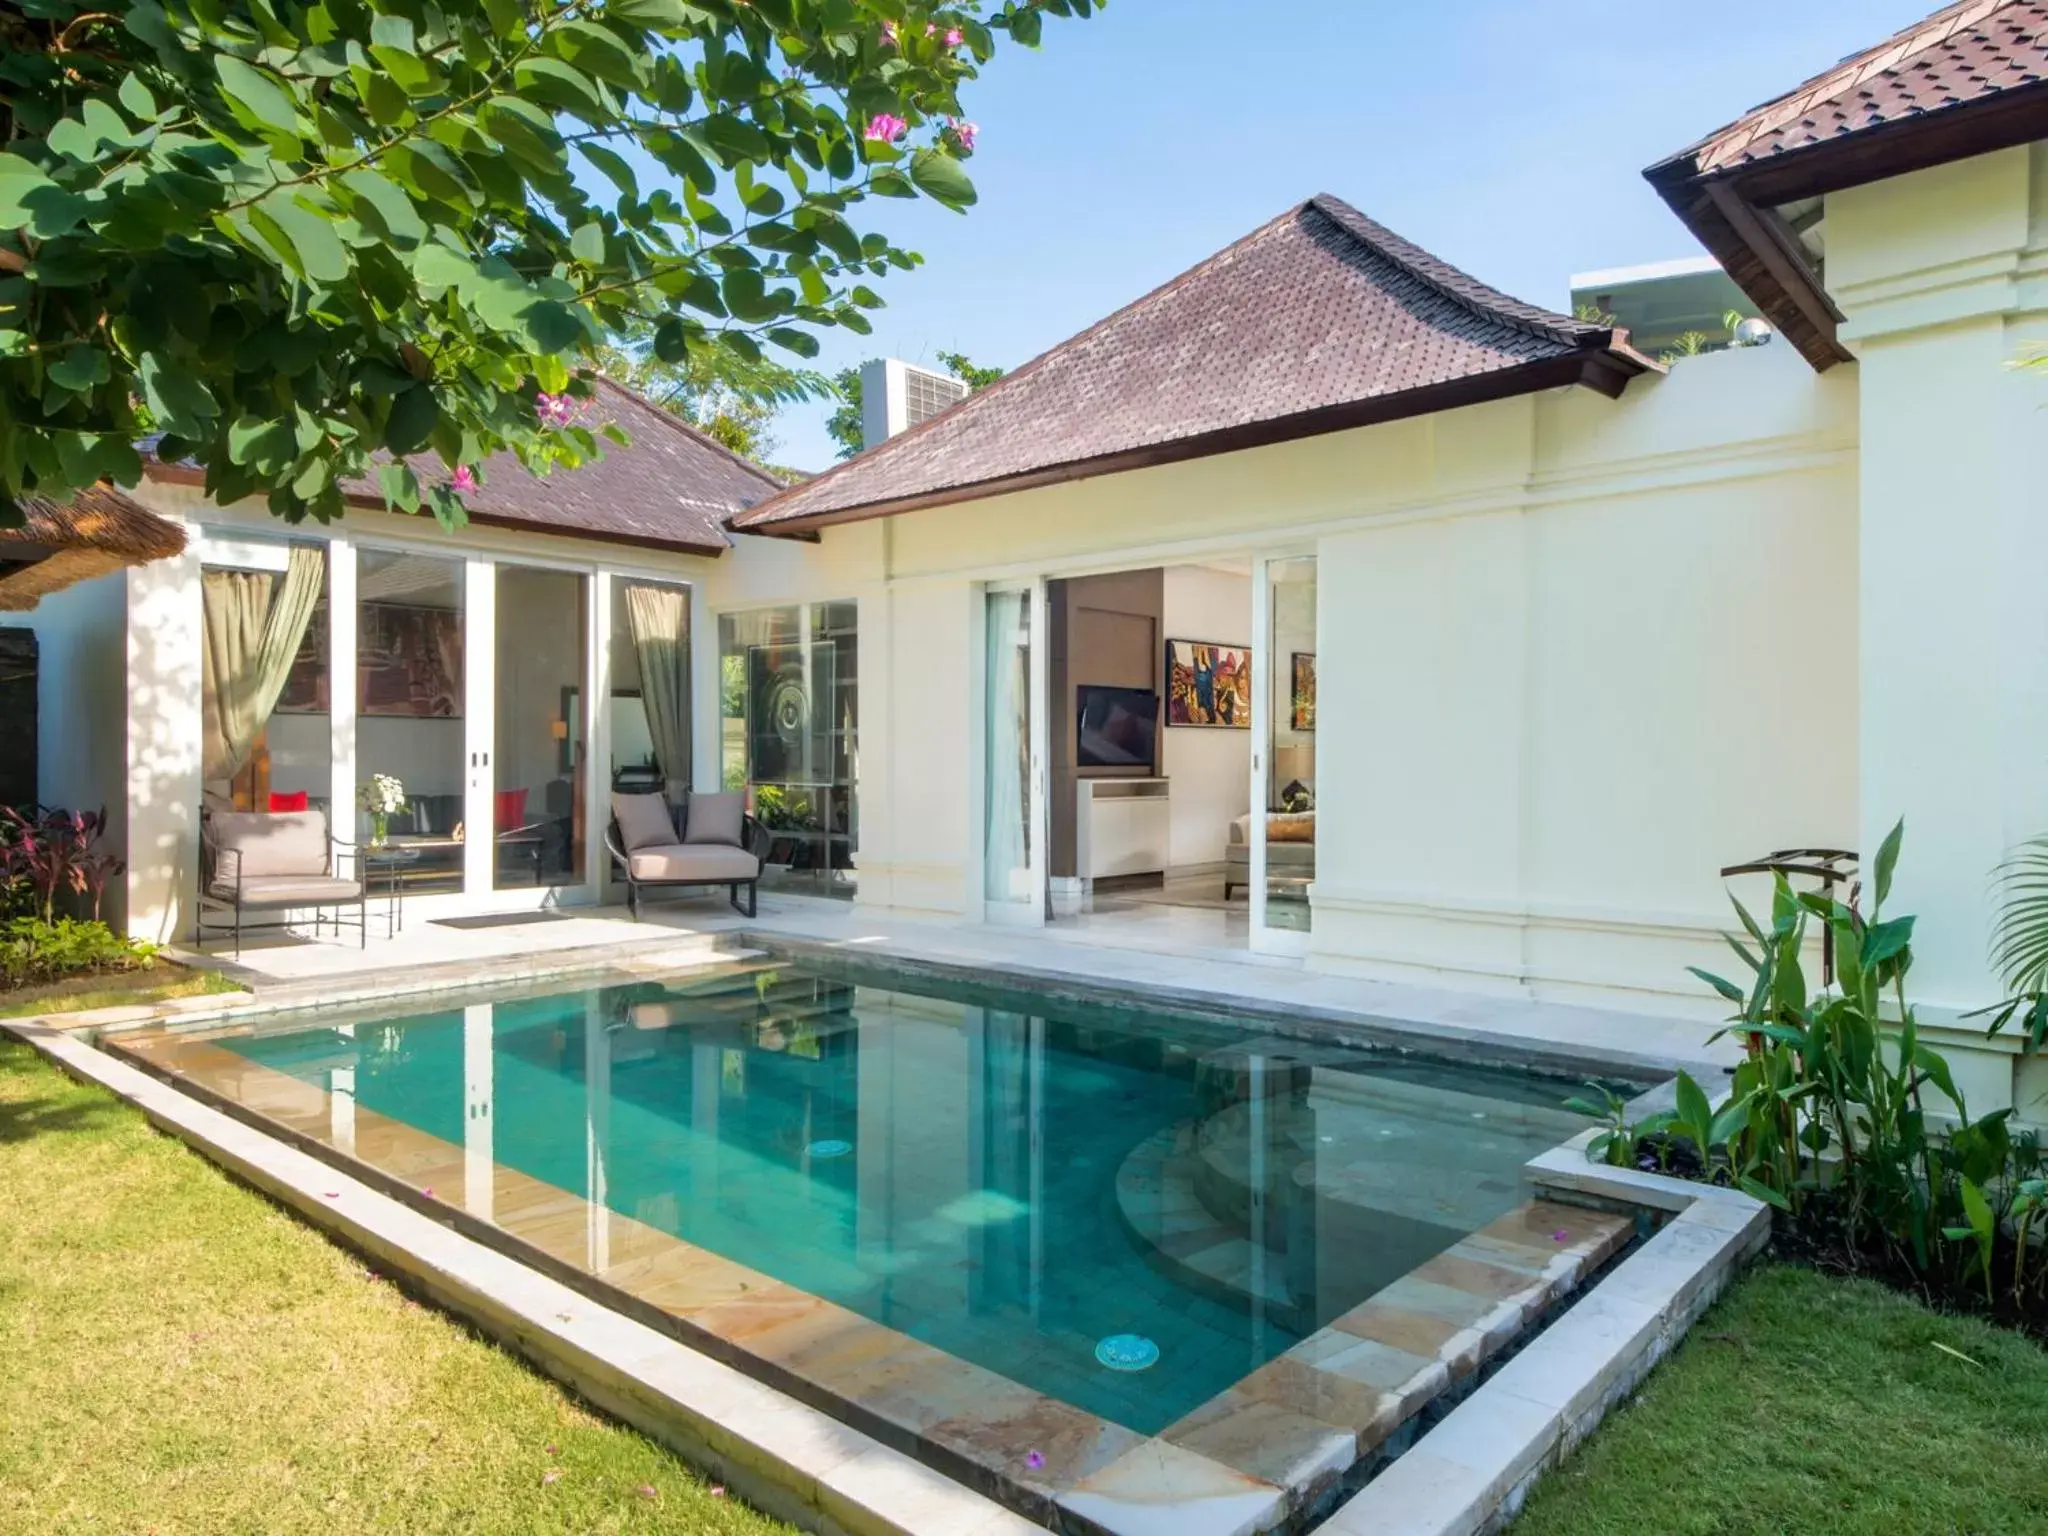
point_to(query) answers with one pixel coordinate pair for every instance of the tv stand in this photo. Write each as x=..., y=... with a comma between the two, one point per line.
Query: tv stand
x=1122, y=827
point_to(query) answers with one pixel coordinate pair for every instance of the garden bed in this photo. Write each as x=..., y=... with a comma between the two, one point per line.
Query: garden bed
x=154, y=983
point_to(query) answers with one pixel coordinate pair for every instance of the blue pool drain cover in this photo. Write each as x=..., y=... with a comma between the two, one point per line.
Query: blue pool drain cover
x=831, y=1147
x=1127, y=1352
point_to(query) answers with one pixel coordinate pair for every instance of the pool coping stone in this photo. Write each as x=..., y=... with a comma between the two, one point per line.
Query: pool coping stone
x=1471, y=1473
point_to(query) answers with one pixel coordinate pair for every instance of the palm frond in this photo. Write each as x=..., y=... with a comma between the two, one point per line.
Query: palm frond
x=2019, y=936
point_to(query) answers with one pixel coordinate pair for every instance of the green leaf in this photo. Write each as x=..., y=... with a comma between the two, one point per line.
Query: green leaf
x=134, y=95
x=940, y=176
x=802, y=343
x=180, y=402
x=1727, y=989
x=436, y=266
x=30, y=200
x=1886, y=940
x=393, y=211
x=1695, y=1112
x=587, y=244
x=414, y=415
x=555, y=83
x=1887, y=861
x=322, y=256
x=1756, y=1189
x=80, y=368
x=614, y=167
x=261, y=99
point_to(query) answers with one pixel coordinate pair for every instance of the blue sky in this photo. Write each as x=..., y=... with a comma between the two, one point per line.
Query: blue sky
x=1508, y=138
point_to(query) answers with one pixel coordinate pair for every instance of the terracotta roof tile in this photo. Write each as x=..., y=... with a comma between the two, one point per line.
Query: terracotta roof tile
x=671, y=486
x=1319, y=320
x=1963, y=54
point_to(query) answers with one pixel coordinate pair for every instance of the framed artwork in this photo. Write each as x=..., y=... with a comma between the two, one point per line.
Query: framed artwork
x=409, y=662
x=1208, y=684
x=1303, y=713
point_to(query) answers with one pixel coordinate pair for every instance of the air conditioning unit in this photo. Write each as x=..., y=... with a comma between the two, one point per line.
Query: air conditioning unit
x=896, y=396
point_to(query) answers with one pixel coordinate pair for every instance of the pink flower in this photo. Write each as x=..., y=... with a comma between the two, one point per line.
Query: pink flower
x=954, y=38
x=886, y=128
x=889, y=30
x=465, y=481
x=932, y=30
x=1035, y=1460
x=554, y=410
x=963, y=131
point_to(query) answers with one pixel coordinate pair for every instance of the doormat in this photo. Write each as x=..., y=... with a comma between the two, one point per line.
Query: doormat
x=501, y=920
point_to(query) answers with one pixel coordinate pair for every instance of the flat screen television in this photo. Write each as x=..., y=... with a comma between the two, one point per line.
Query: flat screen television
x=1119, y=727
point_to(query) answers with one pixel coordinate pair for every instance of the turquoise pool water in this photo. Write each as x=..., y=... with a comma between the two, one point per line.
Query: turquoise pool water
x=1011, y=1180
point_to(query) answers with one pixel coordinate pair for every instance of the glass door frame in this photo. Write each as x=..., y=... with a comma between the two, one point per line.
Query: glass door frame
x=1265, y=700
x=478, y=577
x=1031, y=912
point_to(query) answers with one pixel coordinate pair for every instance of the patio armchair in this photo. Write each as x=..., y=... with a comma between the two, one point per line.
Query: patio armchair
x=719, y=844
x=253, y=862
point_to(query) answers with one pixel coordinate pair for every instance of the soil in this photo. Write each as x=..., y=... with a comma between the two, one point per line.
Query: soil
x=1819, y=1239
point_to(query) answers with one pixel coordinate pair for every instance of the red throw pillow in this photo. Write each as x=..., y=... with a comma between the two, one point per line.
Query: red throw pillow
x=511, y=809
x=295, y=801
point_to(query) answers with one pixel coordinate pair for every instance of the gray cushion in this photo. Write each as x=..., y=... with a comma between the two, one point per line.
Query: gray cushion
x=716, y=820
x=644, y=821
x=694, y=861
x=269, y=843
x=290, y=890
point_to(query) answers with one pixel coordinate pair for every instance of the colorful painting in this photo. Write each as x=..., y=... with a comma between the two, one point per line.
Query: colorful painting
x=409, y=661
x=1208, y=684
x=1303, y=715
x=408, y=664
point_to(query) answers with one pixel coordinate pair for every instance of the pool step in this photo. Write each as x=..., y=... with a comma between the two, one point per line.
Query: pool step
x=1161, y=1209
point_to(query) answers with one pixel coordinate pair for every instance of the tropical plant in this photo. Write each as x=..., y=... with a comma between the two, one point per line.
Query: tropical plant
x=2019, y=942
x=731, y=399
x=1618, y=1138
x=305, y=239
x=1830, y=1106
x=52, y=852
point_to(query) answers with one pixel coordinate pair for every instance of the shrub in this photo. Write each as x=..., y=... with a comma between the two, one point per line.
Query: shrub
x=35, y=950
x=48, y=853
x=1829, y=1116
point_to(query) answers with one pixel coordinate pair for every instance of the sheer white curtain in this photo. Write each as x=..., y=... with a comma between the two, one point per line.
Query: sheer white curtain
x=1007, y=859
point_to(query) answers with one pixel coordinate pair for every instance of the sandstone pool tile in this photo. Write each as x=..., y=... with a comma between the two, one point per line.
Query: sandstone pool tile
x=1267, y=1440
x=1161, y=1489
x=1480, y=1279
x=1006, y=1432
x=1418, y=1333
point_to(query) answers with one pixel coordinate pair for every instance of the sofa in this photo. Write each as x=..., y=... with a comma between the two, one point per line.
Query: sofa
x=1290, y=849
x=276, y=862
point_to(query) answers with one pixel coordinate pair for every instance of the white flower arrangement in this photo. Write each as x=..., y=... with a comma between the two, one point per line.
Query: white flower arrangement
x=382, y=796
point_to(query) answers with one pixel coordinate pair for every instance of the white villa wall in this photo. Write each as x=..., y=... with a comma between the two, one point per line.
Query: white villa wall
x=1557, y=638
x=1209, y=770
x=1943, y=277
x=81, y=705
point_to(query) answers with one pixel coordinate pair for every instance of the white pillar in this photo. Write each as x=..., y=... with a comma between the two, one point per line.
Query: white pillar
x=705, y=725
x=341, y=689
x=165, y=642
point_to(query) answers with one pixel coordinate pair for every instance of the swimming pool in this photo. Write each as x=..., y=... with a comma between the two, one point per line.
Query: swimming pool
x=1019, y=1231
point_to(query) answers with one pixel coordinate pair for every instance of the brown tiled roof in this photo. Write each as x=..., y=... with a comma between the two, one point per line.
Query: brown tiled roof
x=1965, y=53
x=672, y=487
x=1318, y=321
x=1971, y=78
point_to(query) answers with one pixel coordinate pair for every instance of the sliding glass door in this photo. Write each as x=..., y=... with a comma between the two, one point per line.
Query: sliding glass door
x=1283, y=842
x=1014, y=753
x=541, y=656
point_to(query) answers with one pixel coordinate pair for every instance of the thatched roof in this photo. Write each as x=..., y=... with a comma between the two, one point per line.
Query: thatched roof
x=59, y=545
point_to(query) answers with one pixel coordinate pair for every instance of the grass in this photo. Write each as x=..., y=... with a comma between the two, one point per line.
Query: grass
x=118, y=989
x=1822, y=1406
x=183, y=1357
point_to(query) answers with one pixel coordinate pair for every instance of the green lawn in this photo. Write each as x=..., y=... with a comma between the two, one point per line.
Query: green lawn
x=180, y=1356
x=155, y=985
x=1817, y=1406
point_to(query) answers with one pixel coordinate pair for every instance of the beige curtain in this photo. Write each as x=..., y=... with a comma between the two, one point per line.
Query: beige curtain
x=660, y=621
x=251, y=638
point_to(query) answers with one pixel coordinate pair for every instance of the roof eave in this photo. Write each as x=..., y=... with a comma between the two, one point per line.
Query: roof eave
x=182, y=474
x=1728, y=210
x=1605, y=369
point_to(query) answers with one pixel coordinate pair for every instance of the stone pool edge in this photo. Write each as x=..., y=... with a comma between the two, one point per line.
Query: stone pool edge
x=1471, y=1473
x=789, y=1460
